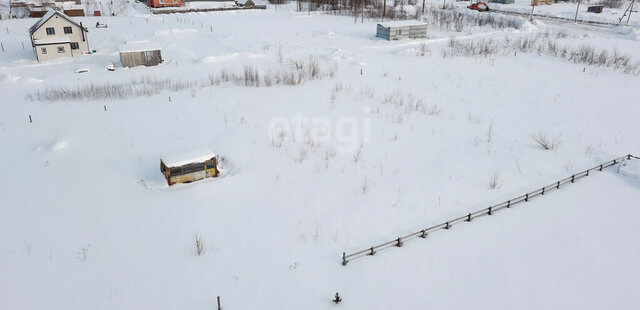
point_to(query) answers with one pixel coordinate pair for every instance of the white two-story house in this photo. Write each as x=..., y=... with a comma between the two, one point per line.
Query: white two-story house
x=56, y=35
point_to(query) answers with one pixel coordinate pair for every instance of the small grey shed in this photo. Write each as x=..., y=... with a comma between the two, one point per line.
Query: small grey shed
x=141, y=53
x=402, y=29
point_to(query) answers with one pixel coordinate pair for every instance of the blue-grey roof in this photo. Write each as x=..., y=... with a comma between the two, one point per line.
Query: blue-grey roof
x=50, y=13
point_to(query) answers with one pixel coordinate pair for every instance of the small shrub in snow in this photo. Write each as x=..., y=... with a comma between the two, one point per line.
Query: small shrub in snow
x=83, y=254
x=543, y=44
x=356, y=156
x=544, y=142
x=305, y=70
x=198, y=245
x=495, y=182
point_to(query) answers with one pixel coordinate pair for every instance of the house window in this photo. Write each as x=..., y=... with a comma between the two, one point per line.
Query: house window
x=60, y=49
x=44, y=50
x=51, y=31
x=67, y=30
x=74, y=45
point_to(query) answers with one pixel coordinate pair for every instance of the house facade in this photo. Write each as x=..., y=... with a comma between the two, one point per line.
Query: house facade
x=56, y=35
x=165, y=3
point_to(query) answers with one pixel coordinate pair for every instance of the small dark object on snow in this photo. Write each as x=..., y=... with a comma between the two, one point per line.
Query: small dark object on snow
x=337, y=299
x=595, y=9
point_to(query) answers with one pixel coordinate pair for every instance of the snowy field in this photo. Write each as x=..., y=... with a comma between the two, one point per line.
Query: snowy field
x=369, y=140
x=199, y=5
x=566, y=10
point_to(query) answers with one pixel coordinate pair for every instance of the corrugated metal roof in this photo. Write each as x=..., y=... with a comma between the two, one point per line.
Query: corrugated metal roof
x=402, y=23
x=139, y=46
x=47, y=16
x=190, y=156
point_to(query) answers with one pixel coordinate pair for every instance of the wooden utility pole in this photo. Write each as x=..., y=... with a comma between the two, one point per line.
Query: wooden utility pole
x=384, y=9
x=219, y=308
x=630, y=9
x=422, y=6
x=531, y=15
x=577, y=8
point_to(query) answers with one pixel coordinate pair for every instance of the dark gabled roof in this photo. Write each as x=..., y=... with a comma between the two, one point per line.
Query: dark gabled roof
x=50, y=14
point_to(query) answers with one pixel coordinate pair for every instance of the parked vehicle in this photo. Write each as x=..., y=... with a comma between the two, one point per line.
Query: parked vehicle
x=479, y=6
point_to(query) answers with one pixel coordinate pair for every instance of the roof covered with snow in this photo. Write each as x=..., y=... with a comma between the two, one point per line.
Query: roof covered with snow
x=50, y=14
x=139, y=46
x=52, y=40
x=402, y=23
x=189, y=156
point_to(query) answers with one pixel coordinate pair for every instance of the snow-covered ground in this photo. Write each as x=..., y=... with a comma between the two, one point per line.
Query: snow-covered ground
x=199, y=5
x=87, y=220
x=568, y=10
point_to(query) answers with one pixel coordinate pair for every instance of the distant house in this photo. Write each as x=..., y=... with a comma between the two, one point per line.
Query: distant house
x=403, y=29
x=40, y=8
x=165, y=3
x=56, y=35
x=141, y=53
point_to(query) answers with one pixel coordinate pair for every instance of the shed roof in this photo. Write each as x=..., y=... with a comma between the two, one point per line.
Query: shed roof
x=50, y=14
x=52, y=40
x=402, y=23
x=139, y=46
x=180, y=158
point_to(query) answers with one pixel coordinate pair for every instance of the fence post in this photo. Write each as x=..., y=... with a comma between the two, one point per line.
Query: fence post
x=469, y=217
x=526, y=197
x=344, y=259
x=615, y=161
x=424, y=234
x=543, y=191
x=219, y=307
x=629, y=157
x=600, y=167
x=573, y=178
x=447, y=226
x=399, y=244
x=588, y=172
x=490, y=210
x=371, y=251
x=509, y=203
x=30, y=119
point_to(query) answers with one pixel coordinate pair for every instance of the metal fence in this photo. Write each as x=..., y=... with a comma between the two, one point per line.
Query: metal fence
x=486, y=211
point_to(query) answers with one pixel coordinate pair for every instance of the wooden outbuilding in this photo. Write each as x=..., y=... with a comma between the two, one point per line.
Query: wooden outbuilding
x=141, y=53
x=189, y=166
x=402, y=29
